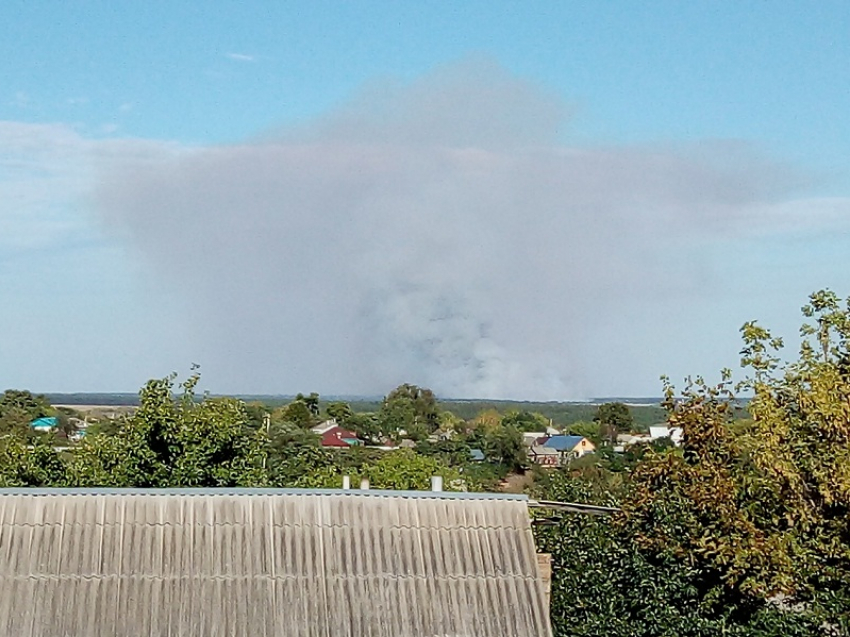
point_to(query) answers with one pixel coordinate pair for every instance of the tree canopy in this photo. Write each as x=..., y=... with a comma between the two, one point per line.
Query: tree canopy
x=744, y=529
x=411, y=409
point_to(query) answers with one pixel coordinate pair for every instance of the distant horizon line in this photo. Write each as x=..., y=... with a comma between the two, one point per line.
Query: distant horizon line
x=77, y=398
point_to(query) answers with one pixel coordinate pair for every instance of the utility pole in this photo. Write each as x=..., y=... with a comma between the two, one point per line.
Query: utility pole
x=267, y=423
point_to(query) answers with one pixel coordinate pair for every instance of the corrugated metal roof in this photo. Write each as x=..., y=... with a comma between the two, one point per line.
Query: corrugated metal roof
x=237, y=562
x=563, y=443
x=45, y=422
x=198, y=491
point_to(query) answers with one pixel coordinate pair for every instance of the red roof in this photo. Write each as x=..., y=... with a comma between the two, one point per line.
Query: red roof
x=338, y=437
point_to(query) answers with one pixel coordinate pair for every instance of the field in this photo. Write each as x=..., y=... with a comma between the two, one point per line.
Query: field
x=645, y=412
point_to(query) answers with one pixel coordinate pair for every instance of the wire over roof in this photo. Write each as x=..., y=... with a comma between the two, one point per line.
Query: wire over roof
x=92, y=563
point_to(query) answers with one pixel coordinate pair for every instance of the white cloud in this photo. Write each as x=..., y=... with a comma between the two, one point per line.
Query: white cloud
x=241, y=57
x=47, y=172
x=78, y=314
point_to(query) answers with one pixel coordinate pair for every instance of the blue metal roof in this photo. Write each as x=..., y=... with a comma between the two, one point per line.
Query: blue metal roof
x=47, y=422
x=563, y=443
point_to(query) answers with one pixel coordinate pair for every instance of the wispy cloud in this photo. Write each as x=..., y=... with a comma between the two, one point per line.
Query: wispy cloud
x=67, y=284
x=242, y=57
x=47, y=172
x=442, y=233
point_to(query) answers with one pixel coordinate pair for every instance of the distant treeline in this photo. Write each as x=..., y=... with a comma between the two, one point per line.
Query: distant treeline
x=560, y=413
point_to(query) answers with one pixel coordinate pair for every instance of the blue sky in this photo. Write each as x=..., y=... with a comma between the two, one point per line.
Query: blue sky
x=712, y=135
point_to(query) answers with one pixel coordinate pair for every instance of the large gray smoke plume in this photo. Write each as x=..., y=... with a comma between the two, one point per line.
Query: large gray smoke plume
x=441, y=233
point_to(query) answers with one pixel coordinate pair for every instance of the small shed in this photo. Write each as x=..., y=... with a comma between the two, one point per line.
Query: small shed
x=264, y=562
x=46, y=423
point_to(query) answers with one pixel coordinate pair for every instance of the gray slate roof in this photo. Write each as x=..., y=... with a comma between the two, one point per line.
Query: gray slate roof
x=233, y=563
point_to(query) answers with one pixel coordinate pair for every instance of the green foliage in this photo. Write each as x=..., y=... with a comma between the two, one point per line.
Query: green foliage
x=745, y=529
x=30, y=465
x=103, y=427
x=406, y=470
x=524, y=421
x=297, y=412
x=605, y=583
x=341, y=412
x=504, y=446
x=18, y=408
x=168, y=443
x=33, y=406
x=325, y=477
x=311, y=402
x=613, y=418
x=761, y=510
x=257, y=415
x=15, y=422
x=65, y=427
x=292, y=453
x=591, y=430
x=451, y=451
x=367, y=427
x=562, y=414
x=409, y=408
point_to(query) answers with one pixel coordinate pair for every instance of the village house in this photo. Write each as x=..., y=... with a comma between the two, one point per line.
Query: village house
x=246, y=562
x=570, y=446
x=531, y=438
x=544, y=456
x=555, y=451
x=332, y=435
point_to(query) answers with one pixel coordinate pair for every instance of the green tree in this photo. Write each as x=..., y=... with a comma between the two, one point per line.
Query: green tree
x=613, y=418
x=409, y=408
x=504, y=446
x=340, y=411
x=15, y=422
x=761, y=512
x=257, y=415
x=525, y=421
x=35, y=406
x=294, y=453
x=30, y=465
x=406, y=470
x=66, y=422
x=368, y=427
x=175, y=443
x=590, y=430
x=311, y=402
x=605, y=582
x=297, y=412
x=18, y=408
x=454, y=452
